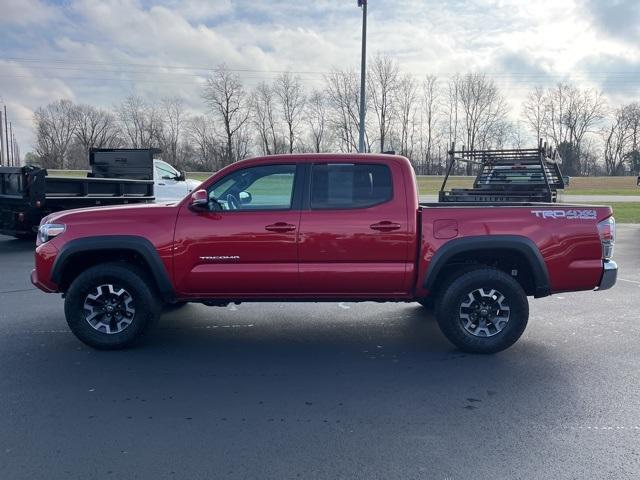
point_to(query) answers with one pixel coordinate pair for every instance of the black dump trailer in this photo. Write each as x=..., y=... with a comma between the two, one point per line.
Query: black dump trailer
x=131, y=163
x=27, y=194
x=507, y=176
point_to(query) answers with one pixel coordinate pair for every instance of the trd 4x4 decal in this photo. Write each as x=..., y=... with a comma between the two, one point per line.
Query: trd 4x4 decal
x=566, y=214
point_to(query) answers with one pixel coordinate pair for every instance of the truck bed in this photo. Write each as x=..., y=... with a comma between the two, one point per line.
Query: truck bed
x=550, y=226
x=496, y=203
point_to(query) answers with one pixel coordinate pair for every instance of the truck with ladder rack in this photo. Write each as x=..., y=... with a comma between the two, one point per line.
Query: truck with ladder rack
x=507, y=175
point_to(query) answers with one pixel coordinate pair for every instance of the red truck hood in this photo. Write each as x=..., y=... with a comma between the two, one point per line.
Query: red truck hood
x=105, y=212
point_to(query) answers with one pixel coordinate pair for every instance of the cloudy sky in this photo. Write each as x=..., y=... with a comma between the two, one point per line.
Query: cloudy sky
x=100, y=51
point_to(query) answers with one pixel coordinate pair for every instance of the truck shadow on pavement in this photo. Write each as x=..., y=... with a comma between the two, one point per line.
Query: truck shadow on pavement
x=385, y=354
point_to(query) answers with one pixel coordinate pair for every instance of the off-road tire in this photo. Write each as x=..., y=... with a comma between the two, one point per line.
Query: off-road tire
x=458, y=294
x=139, y=295
x=428, y=303
x=170, y=307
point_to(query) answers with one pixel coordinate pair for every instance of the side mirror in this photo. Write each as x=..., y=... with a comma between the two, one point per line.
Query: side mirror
x=199, y=200
x=245, y=198
x=182, y=176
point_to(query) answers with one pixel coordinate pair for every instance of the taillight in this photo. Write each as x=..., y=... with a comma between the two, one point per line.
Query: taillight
x=607, y=231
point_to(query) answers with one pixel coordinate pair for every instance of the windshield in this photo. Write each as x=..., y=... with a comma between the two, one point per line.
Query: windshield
x=165, y=171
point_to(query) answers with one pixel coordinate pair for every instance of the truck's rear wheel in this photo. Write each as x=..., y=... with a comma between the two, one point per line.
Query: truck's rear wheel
x=483, y=311
x=170, y=307
x=110, y=306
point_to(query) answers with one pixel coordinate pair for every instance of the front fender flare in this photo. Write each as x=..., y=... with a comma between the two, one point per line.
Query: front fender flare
x=131, y=243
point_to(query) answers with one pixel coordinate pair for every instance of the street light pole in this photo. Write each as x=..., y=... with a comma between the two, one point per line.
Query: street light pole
x=363, y=73
x=6, y=134
x=1, y=142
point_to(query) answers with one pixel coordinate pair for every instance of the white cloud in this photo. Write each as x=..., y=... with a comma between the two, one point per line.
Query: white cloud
x=100, y=51
x=26, y=12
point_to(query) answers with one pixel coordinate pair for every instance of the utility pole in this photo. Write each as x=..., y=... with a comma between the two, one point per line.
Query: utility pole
x=6, y=134
x=1, y=142
x=16, y=158
x=11, y=133
x=363, y=72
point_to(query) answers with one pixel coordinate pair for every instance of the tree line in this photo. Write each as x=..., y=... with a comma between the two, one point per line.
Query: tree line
x=417, y=118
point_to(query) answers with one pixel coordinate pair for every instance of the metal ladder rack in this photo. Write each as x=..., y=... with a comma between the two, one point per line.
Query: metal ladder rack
x=507, y=175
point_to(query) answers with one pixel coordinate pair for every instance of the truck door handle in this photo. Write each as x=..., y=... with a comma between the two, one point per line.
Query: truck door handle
x=385, y=226
x=280, y=227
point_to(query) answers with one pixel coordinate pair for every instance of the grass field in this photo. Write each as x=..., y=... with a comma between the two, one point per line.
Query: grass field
x=431, y=184
x=626, y=212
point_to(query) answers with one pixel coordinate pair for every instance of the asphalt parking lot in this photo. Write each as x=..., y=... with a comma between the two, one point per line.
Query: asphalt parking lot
x=370, y=391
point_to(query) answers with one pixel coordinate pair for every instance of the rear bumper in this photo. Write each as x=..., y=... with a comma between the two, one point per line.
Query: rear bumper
x=609, y=275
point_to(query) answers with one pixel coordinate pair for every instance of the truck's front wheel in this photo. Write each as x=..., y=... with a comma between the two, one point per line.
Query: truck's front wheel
x=483, y=311
x=110, y=306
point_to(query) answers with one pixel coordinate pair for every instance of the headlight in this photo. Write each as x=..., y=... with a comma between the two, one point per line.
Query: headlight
x=49, y=230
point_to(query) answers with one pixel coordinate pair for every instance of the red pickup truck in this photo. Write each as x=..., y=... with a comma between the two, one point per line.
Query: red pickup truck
x=321, y=228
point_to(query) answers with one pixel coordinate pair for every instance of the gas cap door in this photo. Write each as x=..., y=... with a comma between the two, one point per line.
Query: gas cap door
x=445, y=228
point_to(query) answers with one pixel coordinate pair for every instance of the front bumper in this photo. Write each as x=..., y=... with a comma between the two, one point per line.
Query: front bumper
x=40, y=285
x=609, y=275
x=45, y=256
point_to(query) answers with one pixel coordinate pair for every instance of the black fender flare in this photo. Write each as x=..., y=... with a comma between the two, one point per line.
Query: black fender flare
x=519, y=244
x=131, y=243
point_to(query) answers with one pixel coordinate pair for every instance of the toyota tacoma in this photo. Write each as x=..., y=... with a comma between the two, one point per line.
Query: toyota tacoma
x=321, y=227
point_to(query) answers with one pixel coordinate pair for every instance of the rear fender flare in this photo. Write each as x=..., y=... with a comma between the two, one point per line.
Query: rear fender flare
x=516, y=243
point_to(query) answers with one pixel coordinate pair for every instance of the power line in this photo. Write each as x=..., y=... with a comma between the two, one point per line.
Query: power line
x=65, y=66
x=149, y=65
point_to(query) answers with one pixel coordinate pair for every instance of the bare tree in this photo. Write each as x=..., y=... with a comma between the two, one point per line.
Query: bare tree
x=264, y=119
x=453, y=111
x=535, y=113
x=227, y=98
x=95, y=128
x=55, y=126
x=317, y=120
x=201, y=133
x=288, y=89
x=406, y=105
x=414, y=118
x=498, y=134
x=343, y=95
x=382, y=83
x=140, y=123
x=173, y=116
x=482, y=107
x=518, y=139
x=430, y=110
x=633, y=157
x=572, y=113
x=620, y=139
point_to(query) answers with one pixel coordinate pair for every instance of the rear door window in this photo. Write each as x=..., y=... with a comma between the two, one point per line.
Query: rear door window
x=348, y=185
